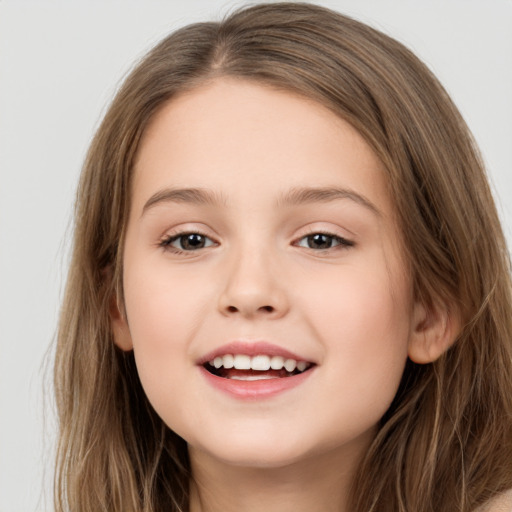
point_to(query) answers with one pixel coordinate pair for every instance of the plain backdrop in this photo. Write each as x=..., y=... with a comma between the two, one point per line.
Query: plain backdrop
x=60, y=64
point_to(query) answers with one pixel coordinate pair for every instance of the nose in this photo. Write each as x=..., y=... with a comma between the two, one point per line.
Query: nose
x=253, y=288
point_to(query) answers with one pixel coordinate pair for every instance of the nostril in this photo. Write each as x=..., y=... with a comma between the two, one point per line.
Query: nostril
x=267, y=309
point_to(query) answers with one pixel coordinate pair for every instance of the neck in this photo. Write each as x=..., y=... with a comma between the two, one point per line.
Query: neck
x=315, y=484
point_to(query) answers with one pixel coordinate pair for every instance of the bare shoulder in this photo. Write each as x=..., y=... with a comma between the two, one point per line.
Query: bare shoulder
x=501, y=503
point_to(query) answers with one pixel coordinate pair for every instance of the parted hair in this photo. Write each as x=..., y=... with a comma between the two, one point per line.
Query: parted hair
x=445, y=444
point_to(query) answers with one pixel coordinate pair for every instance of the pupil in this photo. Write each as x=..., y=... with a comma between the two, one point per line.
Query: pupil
x=319, y=241
x=192, y=241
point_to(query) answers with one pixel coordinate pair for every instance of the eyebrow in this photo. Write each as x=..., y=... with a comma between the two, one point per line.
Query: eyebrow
x=295, y=196
x=184, y=195
x=306, y=195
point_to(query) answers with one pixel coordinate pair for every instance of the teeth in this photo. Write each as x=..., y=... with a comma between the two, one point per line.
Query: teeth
x=302, y=365
x=276, y=363
x=242, y=362
x=290, y=365
x=228, y=361
x=260, y=363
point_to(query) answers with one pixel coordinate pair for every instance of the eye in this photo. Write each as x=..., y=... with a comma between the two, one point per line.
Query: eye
x=323, y=241
x=186, y=242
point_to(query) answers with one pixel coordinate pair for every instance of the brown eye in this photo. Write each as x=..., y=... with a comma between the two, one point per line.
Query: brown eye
x=323, y=241
x=192, y=241
x=188, y=242
x=320, y=241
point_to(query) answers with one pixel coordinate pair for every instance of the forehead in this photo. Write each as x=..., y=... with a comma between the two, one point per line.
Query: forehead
x=238, y=138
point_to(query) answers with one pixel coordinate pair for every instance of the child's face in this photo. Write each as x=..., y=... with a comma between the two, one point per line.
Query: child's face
x=318, y=274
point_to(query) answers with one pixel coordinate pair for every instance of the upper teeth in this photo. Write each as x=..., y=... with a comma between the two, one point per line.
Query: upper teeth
x=259, y=362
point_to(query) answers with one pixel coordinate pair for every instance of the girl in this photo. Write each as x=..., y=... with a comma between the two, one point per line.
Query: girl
x=289, y=287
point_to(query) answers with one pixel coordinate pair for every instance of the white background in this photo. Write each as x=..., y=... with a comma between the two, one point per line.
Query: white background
x=60, y=63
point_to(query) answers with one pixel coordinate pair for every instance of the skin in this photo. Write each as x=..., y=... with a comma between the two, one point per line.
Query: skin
x=348, y=308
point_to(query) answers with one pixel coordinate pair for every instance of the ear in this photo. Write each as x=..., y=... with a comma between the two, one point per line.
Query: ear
x=122, y=336
x=435, y=329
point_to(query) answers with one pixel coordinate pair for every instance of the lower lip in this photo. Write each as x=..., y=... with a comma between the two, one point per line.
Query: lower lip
x=255, y=389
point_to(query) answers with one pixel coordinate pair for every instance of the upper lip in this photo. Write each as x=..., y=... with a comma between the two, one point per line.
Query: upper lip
x=250, y=348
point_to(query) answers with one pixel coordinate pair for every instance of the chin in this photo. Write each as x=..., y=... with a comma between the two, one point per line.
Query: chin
x=271, y=460
x=259, y=453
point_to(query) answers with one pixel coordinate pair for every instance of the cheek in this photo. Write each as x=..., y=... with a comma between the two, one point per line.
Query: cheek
x=164, y=312
x=356, y=302
x=163, y=302
x=363, y=320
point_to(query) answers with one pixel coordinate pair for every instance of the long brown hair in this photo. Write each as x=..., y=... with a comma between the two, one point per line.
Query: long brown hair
x=445, y=444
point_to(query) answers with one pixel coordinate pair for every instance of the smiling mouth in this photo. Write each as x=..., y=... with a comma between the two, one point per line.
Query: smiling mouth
x=252, y=368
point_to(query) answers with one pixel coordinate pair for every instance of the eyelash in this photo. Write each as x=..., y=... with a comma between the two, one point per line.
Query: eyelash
x=343, y=243
x=165, y=243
